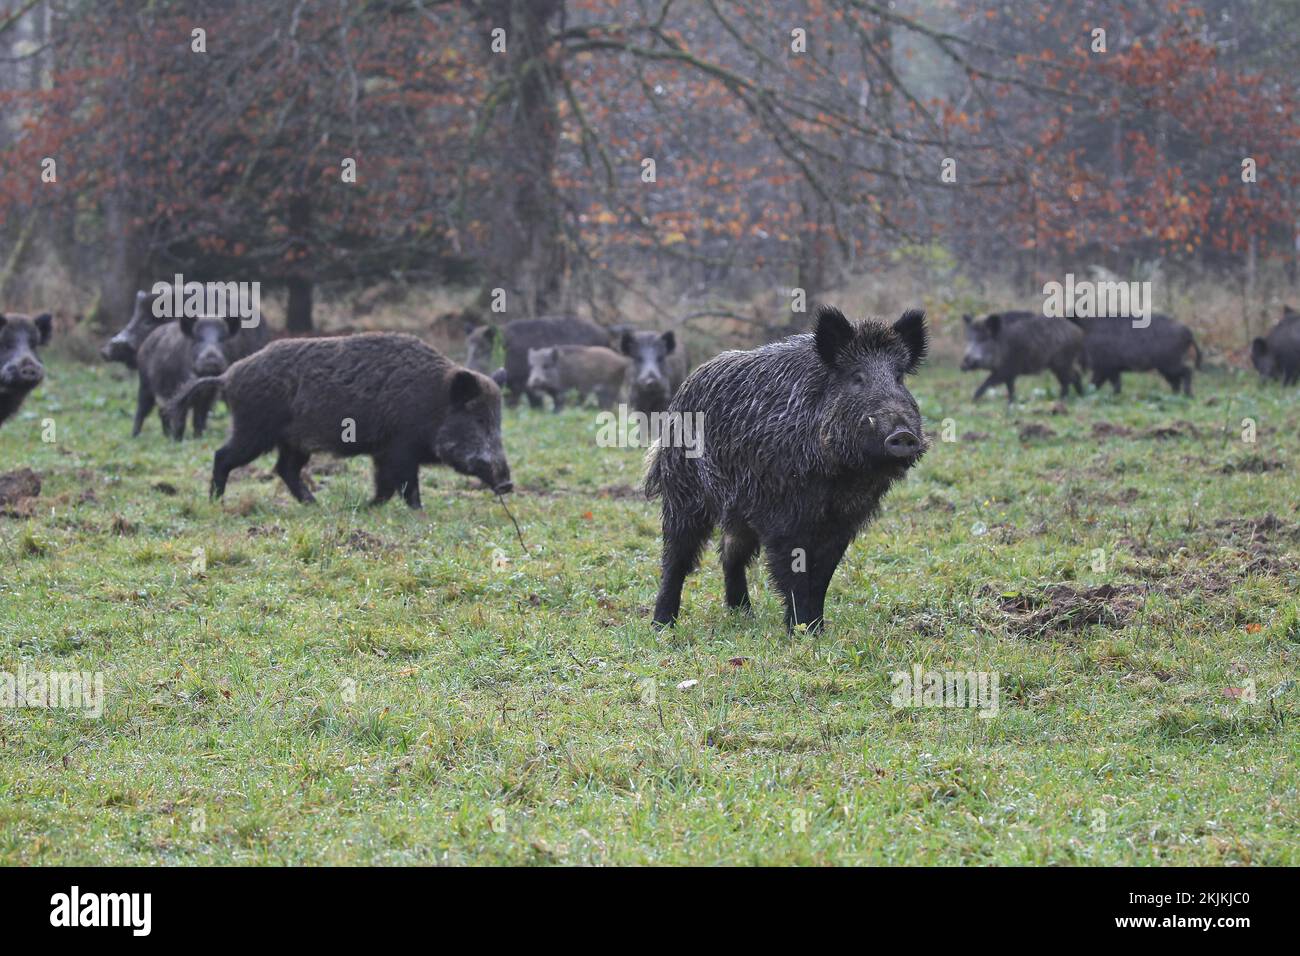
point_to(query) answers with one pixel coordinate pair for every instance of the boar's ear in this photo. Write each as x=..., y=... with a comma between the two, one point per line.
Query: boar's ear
x=233, y=325
x=911, y=329
x=490, y=334
x=670, y=342
x=967, y=318
x=832, y=332
x=994, y=324
x=1259, y=347
x=187, y=326
x=627, y=344
x=465, y=388
x=44, y=327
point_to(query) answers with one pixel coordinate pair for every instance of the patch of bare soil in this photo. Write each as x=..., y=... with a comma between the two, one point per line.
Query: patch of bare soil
x=365, y=542
x=974, y=436
x=1035, y=430
x=18, y=492
x=1178, y=429
x=620, y=491
x=1063, y=608
x=1109, y=429
x=1252, y=465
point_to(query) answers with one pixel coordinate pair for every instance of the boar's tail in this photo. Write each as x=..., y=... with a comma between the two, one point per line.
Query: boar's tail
x=653, y=479
x=180, y=401
x=1197, y=349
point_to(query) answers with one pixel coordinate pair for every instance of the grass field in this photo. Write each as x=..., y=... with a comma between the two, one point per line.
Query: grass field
x=348, y=685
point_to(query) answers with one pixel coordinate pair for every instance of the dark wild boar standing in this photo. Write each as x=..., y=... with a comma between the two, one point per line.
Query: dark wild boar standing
x=20, y=367
x=171, y=356
x=517, y=338
x=801, y=440
x=1010, y=344
x=1112, y=345
x=124, y=346
x=1277, y=355
x=381, y=394
x=658, y=368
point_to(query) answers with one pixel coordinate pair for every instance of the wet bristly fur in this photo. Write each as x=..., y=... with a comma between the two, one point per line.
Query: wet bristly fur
x=20, y=337
x=401, y=402
x=793, y=456
x=1112, y=345
x=1011, y=344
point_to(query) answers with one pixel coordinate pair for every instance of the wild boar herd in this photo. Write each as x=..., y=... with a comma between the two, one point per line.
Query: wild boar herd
x=802, y=437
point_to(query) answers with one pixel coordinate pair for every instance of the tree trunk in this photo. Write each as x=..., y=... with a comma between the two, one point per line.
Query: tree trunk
x=526, y=254
x=299, y=320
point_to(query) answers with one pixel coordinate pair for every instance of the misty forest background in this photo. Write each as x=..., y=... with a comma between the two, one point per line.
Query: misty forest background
x=523, y=170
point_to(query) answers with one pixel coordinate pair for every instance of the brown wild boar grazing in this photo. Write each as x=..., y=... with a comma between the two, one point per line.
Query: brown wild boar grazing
x=801, y=440
x=586, y=369
x=381, y=394
x=20, y=368
x=517, y=338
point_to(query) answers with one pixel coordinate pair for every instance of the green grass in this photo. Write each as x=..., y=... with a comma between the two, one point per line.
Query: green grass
x=350, y=685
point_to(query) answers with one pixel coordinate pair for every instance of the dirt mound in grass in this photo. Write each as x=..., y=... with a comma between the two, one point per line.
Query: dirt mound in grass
x=18, y=491
x=1063, y=608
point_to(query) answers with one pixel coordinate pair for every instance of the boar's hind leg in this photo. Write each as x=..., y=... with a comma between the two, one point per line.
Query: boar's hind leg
x=739, y=545
x=238, y=451
x=144, y=402
x=289, y=467
x=202, y=406
x=683, y=540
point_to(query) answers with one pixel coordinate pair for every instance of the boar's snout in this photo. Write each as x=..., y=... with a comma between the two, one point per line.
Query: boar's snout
x=23, y=371
x=902, y=444
x=494, y=474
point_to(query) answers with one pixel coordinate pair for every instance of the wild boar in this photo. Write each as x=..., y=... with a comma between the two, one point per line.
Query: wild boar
x=20, y=367
x=1010, y=344
x=1277, y=355
x=173, y=354
x=517, y=338
x=1112, y=345
x=802, y=438
x=586, y=369
x=658, y=368
x=382, y=394
x=125, y=345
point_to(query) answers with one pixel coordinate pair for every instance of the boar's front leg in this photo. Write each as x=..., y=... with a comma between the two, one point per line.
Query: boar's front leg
x=789, y=563
x=410, y=485
x=397, y=470
x=990, y=382
x=826, y=557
